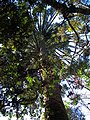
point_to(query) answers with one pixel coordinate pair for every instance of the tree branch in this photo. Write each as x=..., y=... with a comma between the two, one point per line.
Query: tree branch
x=64, y=9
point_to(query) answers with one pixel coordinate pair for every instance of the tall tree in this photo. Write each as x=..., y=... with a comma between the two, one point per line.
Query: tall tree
x=37, y=53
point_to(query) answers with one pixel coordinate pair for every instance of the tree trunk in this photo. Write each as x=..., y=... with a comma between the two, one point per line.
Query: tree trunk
x=54, y=107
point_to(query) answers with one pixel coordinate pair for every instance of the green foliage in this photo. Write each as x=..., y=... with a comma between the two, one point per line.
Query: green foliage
x=67, y=104
x=29, y=39
x=30, y=80
x=77, y=25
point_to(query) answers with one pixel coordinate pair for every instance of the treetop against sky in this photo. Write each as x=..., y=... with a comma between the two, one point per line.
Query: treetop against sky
x=34, y=51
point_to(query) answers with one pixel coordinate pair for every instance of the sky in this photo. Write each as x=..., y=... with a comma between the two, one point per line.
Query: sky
x=84, y=91
x=86, y=98
x=86, y=2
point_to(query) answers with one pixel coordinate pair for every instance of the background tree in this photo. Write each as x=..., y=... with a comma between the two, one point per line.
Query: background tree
x=36, y=53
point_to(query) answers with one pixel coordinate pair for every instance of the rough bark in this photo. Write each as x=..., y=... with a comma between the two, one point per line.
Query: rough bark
x=54, y=107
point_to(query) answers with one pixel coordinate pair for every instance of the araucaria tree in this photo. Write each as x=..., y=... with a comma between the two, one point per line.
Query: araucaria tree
x=38, y=50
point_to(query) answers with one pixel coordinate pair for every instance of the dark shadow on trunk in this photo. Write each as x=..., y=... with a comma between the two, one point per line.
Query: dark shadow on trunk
x=54, y=107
